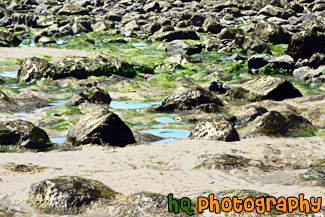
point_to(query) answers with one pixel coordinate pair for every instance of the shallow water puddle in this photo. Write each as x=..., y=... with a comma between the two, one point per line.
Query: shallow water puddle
x=52, y=104
x=58, y=140
x=9, y=74
x=140, y=45
x=165, y=120
x=168, y=133
x=131, y=105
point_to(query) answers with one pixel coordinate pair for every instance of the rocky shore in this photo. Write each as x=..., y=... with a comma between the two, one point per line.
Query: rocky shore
x=106, y=106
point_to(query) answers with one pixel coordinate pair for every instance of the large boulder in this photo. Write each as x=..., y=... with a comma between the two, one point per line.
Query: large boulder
x=100, y=128
x=271, y=32
x=265, y=87
x=8, y=39
x=189, y=99
x=304, y=44
x=182, y=47
x=212, y=24
x=23, y=135
x=69, y=195
x=221, y=130
x=70, y=9
x=94, y=95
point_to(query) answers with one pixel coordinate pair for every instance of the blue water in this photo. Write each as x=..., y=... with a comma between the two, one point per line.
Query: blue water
x=124, y=105
x=168, y=133
x=58, y=140
x=60, y=42
x=9, y=74
x=165, y=120
x=52, y=104
x=30, y=44
x=140, y=45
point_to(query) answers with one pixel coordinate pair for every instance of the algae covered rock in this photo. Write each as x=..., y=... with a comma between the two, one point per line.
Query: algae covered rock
x=69, y=195
x=224, y=162
x=23, y=135
x=8, y=39
x=189, y=99
x=221, y=130
x=33, y=69
x=100, y=128
x=266, y=87
x=269, y=124
x=144, y=204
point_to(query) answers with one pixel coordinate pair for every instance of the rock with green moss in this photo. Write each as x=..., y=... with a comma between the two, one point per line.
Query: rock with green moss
x=34, y=68
x=8, y=39
x=100, y=128
x=23, y=135
x=314, y=175
x=144, y=204
x=221, y=130
x=94, y=95
x=265, y=87
x=269, y=124
x=189, y=99
x=224, y=162
x=69, y=195
x=70, y=9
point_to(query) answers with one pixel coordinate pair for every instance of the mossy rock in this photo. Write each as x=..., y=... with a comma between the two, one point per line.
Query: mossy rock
x=23, y=135
x=69, y=195
x=223, y=162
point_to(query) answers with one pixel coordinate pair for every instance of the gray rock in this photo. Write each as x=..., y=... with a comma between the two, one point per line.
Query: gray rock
x=101, y=127
x=182, y=47
x=215, y=130
x=69, y=195
x=23, y=135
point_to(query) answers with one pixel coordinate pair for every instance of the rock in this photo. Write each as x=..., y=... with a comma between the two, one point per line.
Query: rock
x=174, y=35
x=188, y=99
x=265, y=87
x=46, y=40
x=100, y=96
x=4, y=96
x=81, y=26
x=23, y=135
x=209, y=108
x=224, y=162
x=215, y=130
x=219, y=86
x=8, y=39
x=271, y=32
x=268, y=87
x=238, y=57
x=241, y=194
x=316, y=60
x=280, y=63
x=144, y=204
x=304, y=44
x=269, y=124
x=182, y=47
x=301, y=73
x=211, y=24
x=152, y=7
x=227, y=33
x=70, y=9
x=178, y=58
x=272, y=11
x=100, y=128
x=69, y=195
x=33, y=68
x=254, y=44
x=316, y=176
x=144, y=138
x=249, y=113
